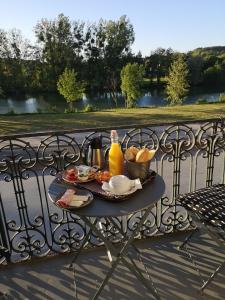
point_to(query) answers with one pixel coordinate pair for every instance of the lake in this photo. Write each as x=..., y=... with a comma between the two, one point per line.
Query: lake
x=44, y=102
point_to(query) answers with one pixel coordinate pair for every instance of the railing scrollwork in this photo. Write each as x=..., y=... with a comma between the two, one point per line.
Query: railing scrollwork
x=189, y=156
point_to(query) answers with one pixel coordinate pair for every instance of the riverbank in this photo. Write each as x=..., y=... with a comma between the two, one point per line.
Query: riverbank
x=45, y=122
x=50, y=102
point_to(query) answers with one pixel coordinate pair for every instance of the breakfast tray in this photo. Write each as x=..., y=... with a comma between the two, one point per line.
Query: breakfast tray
x=95, y=188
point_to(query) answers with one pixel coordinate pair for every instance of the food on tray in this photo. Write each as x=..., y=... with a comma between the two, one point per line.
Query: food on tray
x=151, y=154
x=71, y=174
x=142, y=155
x=102, y=176
x=70, y=198
x=121, y=184
x=130, y=153
x=139, y=155
x=83, y=173
x=79, y=173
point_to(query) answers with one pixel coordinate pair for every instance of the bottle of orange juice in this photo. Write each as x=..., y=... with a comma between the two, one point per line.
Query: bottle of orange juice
x=115, y=155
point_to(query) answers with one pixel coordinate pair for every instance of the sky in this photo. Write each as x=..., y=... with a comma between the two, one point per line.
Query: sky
x=180, y=24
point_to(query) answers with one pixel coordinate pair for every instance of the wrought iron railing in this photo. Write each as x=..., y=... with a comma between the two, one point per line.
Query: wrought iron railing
x=189, y=156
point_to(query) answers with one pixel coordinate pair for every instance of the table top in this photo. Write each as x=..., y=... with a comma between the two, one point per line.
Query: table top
x=100, y=207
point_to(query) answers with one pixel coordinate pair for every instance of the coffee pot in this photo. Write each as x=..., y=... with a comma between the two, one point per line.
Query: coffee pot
x=95, y=153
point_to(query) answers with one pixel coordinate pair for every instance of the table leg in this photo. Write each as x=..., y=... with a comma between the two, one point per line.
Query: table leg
x=135, y=269
x=107, y=249
x=134, y=247
x=123, y=234
x=83, y=244
x=147, y=283
x=121, y=254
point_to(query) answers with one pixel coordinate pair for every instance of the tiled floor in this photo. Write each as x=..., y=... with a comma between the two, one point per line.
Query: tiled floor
x=170, y=269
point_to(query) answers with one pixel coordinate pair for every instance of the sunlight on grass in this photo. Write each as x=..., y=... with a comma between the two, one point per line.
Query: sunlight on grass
x=107, y=118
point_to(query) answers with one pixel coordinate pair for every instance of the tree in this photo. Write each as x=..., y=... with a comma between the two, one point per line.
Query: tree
x=132, y=76
x=15, y=52
x=62, y=46
x=177, y=81
x=68, y=86
x=1, y=92
x=195, y=65
x=157, y=64
x=215, y=75
x=114, y=39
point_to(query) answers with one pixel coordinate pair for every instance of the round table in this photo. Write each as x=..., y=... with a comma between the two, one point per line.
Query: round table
x=142, y=200
x=100, y=207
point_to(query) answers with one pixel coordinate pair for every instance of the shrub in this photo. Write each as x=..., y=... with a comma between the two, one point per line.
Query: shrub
x=201, y=101
x=222, y=98
x=11, y=112
x=89, y=108
x=52, y=109
x=70, y=110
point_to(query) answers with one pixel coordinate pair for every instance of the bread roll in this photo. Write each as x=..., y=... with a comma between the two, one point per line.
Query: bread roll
x=134, y=150
x=129, y=155
x=142, y=155
x=151, y=154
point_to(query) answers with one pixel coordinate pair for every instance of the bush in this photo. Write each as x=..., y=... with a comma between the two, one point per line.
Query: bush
x=70, y=110
x=222, y=98
x=52, y=109
x=201, y=101
x=39, y=110
x=89, y=108
x=11, y=112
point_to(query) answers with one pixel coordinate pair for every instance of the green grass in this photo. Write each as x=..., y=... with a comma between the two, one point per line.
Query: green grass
x=114, y=117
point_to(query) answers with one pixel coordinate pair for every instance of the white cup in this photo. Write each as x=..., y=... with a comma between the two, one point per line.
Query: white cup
x=120, y=184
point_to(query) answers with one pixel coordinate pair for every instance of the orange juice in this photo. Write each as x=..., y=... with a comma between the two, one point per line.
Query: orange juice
x=115, y=156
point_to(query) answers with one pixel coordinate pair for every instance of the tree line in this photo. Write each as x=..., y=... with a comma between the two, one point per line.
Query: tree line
x=97, y=52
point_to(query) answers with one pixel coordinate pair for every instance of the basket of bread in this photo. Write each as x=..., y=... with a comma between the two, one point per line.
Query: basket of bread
x=138, y=162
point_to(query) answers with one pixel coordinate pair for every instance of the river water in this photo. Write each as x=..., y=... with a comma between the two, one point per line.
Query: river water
x=45, y=102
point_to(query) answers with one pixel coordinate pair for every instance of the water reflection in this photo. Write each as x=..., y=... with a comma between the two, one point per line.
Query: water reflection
x=152, y=99
x=44, y=102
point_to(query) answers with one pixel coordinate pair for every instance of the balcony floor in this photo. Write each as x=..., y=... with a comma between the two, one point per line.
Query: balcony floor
x=172, y=272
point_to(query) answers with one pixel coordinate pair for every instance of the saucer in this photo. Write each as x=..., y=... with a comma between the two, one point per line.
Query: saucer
x=106, y=188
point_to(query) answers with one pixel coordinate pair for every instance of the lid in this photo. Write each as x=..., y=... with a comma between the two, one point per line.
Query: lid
x=114, y=134
x=96, y=143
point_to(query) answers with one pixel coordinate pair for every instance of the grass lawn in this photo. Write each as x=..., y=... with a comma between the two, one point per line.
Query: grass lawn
x=44, y=122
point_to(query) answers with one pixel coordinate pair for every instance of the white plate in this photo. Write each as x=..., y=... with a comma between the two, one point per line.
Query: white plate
x=78, y=192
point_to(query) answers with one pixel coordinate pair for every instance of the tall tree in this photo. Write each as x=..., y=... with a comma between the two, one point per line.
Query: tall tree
x=114, y=39
x=157, y=65
x=195, y=65
x=177, y=81
x=14, y=54
x=131, y=79
x=62, y=44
